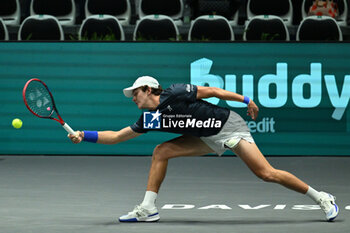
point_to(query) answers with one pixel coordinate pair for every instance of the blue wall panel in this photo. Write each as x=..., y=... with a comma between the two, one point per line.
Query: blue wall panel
x=87, y=81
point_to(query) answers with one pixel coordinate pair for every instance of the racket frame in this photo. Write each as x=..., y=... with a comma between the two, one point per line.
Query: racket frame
x=54, y=108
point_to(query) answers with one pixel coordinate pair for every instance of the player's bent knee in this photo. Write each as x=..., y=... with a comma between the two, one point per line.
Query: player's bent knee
x=268, y=175
x=161, y=152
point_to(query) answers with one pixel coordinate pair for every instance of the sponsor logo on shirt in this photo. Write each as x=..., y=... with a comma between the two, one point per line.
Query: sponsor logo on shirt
x=188, y=88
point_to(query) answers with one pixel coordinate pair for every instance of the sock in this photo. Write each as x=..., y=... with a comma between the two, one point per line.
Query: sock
x=313, y=194
x=149, y=200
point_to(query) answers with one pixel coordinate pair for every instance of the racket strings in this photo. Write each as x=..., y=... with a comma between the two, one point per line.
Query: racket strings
x=39, y=99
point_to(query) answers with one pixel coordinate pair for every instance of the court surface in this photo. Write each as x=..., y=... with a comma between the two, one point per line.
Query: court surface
x=200, y=194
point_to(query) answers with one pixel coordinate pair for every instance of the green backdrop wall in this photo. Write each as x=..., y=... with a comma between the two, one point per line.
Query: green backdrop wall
x=302, y=89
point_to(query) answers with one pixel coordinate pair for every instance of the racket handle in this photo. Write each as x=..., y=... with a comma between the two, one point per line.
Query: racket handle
x=68, y=129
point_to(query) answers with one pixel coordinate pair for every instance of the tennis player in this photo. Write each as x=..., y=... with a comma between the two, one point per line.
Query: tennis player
x=225, y=130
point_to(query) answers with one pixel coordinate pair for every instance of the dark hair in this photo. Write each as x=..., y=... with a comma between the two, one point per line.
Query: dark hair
x=155, y=91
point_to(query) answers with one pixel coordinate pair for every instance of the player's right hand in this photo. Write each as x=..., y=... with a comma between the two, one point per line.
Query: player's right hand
x=77, y=138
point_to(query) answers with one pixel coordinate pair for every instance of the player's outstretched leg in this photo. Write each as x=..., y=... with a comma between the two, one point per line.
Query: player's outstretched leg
x=254, y=159
x=180, y=146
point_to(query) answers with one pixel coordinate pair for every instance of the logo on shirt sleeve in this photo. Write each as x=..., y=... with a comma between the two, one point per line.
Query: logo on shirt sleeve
x=188, y=88
x=152, y=120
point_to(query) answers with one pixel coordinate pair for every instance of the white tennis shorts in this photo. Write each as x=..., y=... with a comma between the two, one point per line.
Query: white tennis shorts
x=229, y=136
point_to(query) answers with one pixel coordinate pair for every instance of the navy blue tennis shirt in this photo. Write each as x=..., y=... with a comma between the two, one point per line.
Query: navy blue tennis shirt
x=179, y=103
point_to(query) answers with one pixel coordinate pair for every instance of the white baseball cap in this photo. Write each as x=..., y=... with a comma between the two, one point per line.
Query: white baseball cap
x=141, y=81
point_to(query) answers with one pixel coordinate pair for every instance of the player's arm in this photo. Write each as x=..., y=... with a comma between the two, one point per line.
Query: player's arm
x=207, y=92
x=105, y=137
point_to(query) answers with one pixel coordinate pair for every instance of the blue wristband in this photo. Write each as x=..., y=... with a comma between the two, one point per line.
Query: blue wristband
x=90, y=136
x=246, y=100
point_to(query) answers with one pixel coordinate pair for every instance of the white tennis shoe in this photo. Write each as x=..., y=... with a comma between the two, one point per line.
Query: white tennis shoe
x=140, y=214
x=327, y=204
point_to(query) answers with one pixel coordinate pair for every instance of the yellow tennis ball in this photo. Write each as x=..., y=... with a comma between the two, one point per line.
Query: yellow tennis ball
x=17, y=123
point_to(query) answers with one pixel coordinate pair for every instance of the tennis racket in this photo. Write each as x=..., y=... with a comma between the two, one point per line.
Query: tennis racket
x=39, y=100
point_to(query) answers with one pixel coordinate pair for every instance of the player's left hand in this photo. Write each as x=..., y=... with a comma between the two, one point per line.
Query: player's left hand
x=253, y=110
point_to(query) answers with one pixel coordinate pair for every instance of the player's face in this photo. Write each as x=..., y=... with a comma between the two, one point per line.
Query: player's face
x=140, y=98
